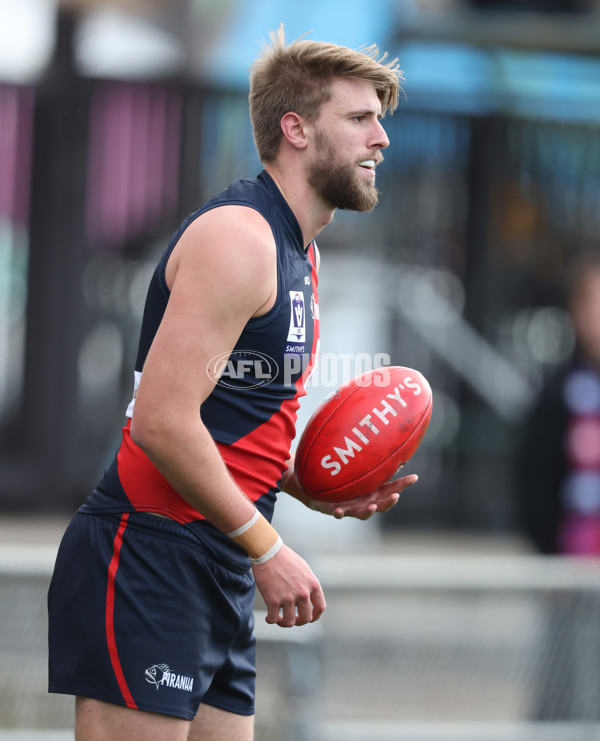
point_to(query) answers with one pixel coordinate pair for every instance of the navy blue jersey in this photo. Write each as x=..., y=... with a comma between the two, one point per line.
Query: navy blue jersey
x=251, y=413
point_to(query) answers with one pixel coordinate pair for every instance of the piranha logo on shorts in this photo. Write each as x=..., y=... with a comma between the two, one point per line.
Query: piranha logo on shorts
x=160, y=675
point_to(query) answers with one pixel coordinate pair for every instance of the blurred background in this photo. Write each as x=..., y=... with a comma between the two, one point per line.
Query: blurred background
x=119, y=118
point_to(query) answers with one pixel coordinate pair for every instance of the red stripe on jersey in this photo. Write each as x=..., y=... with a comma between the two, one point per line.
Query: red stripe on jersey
x=110, y=612
x=246, y=459
x=146, y=488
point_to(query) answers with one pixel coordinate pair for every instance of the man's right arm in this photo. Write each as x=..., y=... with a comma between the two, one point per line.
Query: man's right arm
x=221, y=273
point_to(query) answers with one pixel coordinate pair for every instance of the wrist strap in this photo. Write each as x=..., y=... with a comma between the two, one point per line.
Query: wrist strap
x=270, y=553
x=241, y=530
x=258, y=538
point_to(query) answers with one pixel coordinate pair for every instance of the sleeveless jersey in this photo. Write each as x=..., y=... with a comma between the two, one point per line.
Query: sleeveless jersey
x=251, y=412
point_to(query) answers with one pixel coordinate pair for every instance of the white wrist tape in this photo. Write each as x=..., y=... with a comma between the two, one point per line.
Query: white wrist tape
x=270, y=553
x=258, y=538
x=246, y=526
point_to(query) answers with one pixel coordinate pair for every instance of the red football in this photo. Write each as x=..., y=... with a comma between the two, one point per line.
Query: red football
x=362, y=434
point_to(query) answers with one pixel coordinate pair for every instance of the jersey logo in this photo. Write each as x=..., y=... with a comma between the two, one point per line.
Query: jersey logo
x=297, y=331
x=160, y=675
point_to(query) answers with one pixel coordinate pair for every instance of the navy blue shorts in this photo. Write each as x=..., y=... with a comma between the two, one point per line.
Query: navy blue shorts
x=141, y=615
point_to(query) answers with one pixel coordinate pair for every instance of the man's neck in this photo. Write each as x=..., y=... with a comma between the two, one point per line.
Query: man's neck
x=312, y=214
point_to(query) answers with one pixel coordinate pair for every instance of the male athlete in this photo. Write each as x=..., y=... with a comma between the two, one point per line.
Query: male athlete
x=151, y=620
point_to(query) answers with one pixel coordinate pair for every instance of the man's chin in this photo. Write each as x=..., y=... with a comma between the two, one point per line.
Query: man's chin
x=360, y=197
x=367, y=201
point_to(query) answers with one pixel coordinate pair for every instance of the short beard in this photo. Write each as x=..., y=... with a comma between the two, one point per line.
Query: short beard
x=338, y=183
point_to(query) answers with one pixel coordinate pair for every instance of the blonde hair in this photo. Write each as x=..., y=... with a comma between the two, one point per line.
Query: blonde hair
x=295, y=78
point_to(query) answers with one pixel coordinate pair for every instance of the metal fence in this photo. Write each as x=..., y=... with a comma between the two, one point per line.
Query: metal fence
x=416, y=647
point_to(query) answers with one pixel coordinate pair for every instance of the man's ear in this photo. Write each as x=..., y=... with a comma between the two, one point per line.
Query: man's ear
x=293, y=127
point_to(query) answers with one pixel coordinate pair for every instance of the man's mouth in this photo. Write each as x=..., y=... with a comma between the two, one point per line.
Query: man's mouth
x=368, y=164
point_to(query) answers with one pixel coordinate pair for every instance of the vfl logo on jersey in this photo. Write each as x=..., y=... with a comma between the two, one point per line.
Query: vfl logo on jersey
x=297, y=332
x=160, y=675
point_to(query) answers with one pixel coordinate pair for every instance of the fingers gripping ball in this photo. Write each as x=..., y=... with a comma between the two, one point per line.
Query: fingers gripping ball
x=363, y=433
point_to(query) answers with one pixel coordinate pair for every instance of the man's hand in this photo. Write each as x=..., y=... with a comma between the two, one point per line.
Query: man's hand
x=380, y=500
x=292, y=593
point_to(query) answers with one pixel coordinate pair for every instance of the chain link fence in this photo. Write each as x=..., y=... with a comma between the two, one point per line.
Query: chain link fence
x=411, y=647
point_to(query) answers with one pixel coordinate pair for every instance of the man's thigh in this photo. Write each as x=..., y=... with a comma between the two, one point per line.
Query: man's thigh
x=102, y=721
x=214, y=724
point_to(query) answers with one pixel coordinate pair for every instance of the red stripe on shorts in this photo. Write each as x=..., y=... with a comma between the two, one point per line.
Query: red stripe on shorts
x=110, y=609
